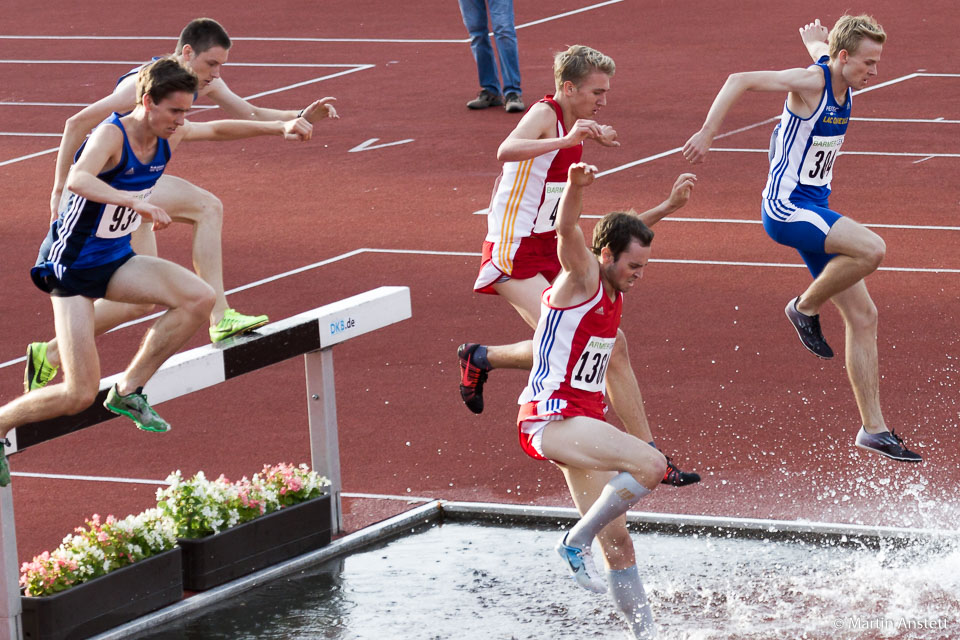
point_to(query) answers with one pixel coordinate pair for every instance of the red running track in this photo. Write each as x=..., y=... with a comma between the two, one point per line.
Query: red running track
x=729, y=391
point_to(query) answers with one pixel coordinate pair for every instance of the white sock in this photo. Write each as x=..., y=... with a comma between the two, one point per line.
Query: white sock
x=628, y=594
x=621, y=493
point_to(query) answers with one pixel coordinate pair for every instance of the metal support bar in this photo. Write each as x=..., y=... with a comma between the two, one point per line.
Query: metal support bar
x=10, y=624
x=324, y=437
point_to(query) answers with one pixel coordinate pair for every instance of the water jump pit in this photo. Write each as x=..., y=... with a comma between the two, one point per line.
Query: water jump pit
x=473, y=570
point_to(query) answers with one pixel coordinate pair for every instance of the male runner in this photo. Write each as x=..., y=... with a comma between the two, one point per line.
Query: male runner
x=87, y=254
x=520, y=251
x=839, y=252
x=562, y=408
x=203, y=47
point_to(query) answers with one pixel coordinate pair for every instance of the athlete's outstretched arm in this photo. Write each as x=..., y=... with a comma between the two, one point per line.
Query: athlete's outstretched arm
x=577, y=260
x=801, y=81
x=815, y=38
x=679, y=196
x=223, y=130
x=238, y=108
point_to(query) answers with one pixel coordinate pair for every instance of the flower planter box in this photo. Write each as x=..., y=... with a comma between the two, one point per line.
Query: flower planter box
x=92, y=607
x=251, y=546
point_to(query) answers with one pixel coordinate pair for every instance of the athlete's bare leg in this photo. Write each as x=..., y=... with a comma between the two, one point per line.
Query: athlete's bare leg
x=74, y=321
x=860, y=317
x=110, y=314
x=185, y=202
x=524, y=296
x=188, y=299
x=860, y=252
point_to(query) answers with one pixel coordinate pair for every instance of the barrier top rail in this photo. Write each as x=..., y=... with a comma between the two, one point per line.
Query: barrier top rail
x=212, y=364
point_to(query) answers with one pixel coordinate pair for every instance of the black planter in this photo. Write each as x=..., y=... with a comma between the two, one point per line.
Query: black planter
x=268, y=540
x=105, y=602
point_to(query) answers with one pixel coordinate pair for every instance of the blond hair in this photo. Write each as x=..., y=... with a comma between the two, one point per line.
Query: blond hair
x=849, y=31
x=579, y=61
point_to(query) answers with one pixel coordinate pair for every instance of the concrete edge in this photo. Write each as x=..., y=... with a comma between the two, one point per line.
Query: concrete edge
x=438, y=511
x=350, y=543
x=681, y=524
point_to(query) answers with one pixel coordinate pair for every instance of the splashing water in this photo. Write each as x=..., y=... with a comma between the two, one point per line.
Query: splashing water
x=481, y=581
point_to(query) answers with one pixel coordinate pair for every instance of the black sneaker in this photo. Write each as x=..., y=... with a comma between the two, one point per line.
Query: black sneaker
x=514, y=103
x=485, y=99
x=472, y=378
x=808, y=329
x=676, y=478
x=886, y=443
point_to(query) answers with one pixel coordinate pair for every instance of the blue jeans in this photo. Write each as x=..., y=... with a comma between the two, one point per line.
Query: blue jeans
x=474, y=14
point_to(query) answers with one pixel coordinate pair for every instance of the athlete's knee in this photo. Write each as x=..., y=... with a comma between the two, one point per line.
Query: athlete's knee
x=211, y=209
x=199, y=298
x=78, y=395
x=651, y=467
x=873, y=251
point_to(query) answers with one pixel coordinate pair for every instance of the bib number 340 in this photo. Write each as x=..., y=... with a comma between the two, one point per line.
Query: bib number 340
x=817, y=168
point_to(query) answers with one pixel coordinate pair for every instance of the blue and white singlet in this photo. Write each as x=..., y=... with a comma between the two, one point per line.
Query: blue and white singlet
x=803, y=151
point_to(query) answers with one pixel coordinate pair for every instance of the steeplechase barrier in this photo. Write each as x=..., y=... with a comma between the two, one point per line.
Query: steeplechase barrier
x=312, y=334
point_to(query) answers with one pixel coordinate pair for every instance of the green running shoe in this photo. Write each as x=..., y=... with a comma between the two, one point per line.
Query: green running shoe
x=4, y=467
x=39, y=371
x=233, y=323
x=135, y=407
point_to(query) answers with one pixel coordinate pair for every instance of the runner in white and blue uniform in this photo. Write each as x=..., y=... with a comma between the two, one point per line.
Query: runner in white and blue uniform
x=795, y=208
x=90, y=240
x=839, y=252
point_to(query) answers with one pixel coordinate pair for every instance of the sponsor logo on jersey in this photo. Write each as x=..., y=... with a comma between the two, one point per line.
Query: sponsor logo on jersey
x=128, y=172
x=157, y=167
x=835, y=120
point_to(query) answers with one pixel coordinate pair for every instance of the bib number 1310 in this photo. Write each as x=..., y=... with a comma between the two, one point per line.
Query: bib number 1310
x=589, y=373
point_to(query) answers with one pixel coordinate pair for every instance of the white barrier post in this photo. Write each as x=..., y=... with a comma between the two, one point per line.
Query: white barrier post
x=342, y=321
x=10, y=627
x=324, y=436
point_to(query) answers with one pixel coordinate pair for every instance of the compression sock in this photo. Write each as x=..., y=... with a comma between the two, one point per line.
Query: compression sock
x=628, y=594
x=621, y=493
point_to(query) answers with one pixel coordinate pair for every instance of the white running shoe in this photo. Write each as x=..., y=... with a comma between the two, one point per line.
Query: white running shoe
x=580, y=564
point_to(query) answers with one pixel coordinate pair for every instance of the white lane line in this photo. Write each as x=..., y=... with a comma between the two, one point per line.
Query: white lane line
x=136, y=63
x=903, y=154
x=353, y=69
x=474, y=254
x=60, y=476
x=564, y=15
x=908, y=120
x=294, y=39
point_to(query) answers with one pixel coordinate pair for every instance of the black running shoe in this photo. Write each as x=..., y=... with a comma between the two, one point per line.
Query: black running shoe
x=808, y=329
x=886, y=443
x=676, y=478
x=472, y=378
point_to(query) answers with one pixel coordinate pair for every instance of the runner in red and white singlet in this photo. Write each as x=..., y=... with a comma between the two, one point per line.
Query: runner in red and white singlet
x=521, y=241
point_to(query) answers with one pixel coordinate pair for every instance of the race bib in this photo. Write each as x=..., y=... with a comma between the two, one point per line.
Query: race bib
x=117, y=221
x=547, y=215
x=817, y=170
x=590, y=371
